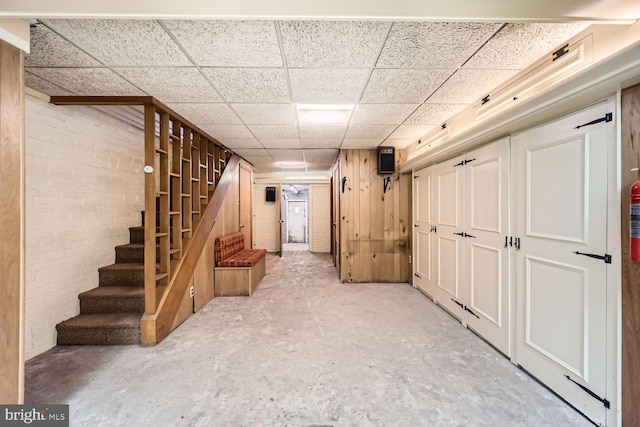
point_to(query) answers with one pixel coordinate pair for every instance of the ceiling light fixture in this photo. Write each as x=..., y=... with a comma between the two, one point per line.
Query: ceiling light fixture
x=323, y=114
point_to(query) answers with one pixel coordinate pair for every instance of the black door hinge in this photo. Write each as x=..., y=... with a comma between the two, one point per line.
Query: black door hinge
x=344, y=182
x=605, y=402
x=417, y=275
x=416, y=176
x=470, y=311
x=459, y=164
x=469, y=235
x=434, y=229
x=606, y=257
x=459, y=234
x=607, y=118
x=469, y=161
x=560, y=52
x=458, y=303
x=486, y=99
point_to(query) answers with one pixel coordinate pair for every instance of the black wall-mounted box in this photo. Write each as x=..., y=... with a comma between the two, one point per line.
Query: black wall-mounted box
x=386, y=160
x=271, y=194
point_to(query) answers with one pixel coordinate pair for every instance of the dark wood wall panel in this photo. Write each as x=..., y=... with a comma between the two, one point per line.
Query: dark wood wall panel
x=11, y=224
x=630, y=269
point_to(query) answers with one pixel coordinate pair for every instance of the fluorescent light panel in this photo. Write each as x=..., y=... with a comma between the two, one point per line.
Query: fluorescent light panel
x=323, y=114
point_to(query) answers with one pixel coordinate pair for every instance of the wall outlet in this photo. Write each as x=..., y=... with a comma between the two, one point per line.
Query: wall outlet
x=191, y=291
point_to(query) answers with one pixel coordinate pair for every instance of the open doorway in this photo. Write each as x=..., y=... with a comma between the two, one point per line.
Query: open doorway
x=295, y=216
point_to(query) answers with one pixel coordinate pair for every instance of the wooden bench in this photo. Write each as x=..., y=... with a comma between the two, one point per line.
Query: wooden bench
x=238, y=271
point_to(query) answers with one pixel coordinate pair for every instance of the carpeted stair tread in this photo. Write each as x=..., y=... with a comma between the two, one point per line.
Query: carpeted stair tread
x=112, y=299
x=122, y=274
x=103, y=321
x=114, y=292
x=100, y=329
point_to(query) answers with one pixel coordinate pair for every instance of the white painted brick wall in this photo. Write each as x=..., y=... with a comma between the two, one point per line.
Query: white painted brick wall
x=84, y=189
x=320, y=210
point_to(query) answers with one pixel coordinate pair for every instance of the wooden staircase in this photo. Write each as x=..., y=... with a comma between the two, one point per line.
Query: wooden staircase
x=110, y=314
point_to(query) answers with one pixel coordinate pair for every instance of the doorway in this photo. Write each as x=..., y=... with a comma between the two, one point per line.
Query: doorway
x=295, y=227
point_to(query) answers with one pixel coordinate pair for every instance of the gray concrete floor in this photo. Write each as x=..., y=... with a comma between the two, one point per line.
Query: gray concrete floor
x=304, y=350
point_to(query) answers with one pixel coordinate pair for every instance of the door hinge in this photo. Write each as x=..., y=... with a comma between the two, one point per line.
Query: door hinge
x=607, y=118
x=458, y=303
x=459, y=234
x=469, y=161
x=605, y=402
x=486, y=99
x=469, y=235
x=560, y=52
x=409, y=259
x=434, y=229
x=459, y=164
x=416, y=176
x=191, y=291
x=417, y=275
x=470, y=311
x=606, y=257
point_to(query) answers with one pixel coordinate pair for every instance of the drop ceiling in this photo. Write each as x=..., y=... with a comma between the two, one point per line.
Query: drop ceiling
x=240, y=80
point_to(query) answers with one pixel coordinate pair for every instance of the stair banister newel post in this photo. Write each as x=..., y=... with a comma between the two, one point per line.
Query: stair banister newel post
x=150, y=298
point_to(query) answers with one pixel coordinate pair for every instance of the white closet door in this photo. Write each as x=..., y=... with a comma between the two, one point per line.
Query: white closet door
x=561, y=192
x=449, y=240
x=423, y=236
x=486, y=276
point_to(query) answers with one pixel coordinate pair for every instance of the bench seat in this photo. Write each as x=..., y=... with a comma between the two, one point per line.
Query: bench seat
x=238, y=271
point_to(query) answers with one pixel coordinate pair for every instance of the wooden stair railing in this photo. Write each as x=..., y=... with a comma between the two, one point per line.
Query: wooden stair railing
x=187, y=174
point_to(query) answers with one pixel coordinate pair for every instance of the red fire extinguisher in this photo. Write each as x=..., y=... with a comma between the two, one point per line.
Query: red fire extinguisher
x=635, y=219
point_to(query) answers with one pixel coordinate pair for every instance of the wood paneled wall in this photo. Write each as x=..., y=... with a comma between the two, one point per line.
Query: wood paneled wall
x=630, y=269
x=374, y=225
x=12, y=210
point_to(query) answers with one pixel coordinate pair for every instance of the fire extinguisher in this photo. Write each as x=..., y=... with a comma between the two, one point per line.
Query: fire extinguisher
x=635, y=219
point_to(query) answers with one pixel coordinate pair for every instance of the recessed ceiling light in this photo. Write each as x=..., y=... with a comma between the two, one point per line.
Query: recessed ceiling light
x=323, y=114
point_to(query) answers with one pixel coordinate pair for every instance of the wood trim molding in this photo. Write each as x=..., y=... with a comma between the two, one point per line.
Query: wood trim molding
x=12, y=220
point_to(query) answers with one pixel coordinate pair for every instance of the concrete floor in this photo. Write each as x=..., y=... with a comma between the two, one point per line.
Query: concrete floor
x=305, y=350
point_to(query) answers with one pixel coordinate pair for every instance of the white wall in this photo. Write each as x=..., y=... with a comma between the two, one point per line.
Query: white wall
x=320, y=218
x=84, y=189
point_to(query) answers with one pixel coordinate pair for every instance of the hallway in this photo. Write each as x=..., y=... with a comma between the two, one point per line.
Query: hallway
x=304, y=350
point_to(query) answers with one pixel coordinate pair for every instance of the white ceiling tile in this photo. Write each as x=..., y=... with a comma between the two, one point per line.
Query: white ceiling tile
x=403, y=86
x=280, y=143
x=240, y=143
x=313, y=155
x=286, y=155
x=253, y=153
x=434, y=114
x=88, y=81
x=250, y=84
x=266, y=167
x=321, y=143
x=227, y=131
x=518, y=45
x=399, y=142
x=120, y=42
x=434, y=44
x=332, y=43
x=171, y=84
x=206, y=114
x=274, y=131
x=354, y=143
x=369, y=131
x=41, y=85
x=330, y=86
x=322, y=132
x=411, y=131
x=382, y=113
x=50, y=50
x=229, y=43
x=469, y=85
x=265, y=114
